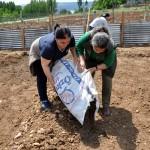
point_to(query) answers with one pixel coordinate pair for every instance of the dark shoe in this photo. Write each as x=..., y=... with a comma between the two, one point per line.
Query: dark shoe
x=106, y=111
x=45, y=105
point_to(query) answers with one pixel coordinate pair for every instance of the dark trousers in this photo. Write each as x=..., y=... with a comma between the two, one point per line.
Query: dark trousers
x=107, y=76
x=41, y=80
x=106, y=89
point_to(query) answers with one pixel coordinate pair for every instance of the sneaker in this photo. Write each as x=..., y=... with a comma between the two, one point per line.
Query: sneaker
x=45, y=105
x=106, y=111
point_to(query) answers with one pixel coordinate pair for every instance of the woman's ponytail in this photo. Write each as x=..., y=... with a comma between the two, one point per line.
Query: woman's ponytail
x=56, y=26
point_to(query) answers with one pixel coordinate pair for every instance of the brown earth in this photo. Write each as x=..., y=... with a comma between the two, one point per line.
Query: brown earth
x=24, y=127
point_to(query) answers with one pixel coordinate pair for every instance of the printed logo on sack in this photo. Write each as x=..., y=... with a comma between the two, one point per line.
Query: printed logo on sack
x=67, y=96
x=61, y=84
x=71, y=70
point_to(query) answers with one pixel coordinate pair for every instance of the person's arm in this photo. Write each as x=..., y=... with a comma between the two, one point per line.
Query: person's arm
x=45, y=65
x=98, y=67
x=80, y=44
x=105, y=24
x=73, y=50
x=108, y=61
x=74, y=55
x=82, y=63
x=80, y=49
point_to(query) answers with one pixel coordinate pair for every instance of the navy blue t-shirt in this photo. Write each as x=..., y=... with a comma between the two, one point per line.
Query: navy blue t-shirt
x=49, y=50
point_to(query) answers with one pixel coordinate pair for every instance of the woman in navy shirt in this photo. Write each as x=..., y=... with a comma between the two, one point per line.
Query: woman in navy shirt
x=44, y=52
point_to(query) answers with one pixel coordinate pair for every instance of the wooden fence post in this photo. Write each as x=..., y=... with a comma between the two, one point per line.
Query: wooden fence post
x=84, y=27
x=88, y=20
x=23, y=37
x=50, y=23
x=122, y=30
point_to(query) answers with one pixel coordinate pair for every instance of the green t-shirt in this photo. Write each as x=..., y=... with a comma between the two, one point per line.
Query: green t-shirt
x=84, y=47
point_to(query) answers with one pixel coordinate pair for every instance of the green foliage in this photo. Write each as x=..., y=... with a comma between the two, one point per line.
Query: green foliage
x=82, y=5
x=105, y=4
x=40, y=8
x=86, y=3
x=79, y=4
x=64, y=11
x=36, y=8
x=9, y=10
x=51, y=5
x=79, y=10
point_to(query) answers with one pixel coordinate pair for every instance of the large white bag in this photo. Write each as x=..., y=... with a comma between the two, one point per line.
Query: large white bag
x=76, y=90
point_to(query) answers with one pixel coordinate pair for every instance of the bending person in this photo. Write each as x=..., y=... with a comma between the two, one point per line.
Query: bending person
x=44, y=52
x=96, y=52
x=101, y=22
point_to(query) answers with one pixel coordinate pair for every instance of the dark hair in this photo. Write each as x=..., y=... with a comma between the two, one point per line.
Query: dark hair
x=61, y=32
x=106, y=15
x=56, y=26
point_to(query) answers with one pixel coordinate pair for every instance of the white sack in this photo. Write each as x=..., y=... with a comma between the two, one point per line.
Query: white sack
x=76, y=90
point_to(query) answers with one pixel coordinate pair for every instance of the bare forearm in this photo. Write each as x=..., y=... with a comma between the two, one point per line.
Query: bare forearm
x=48, y=74
x=45, y=65
x=101, y=67
x=74, y=56
x=98, y=67
x=81, y=57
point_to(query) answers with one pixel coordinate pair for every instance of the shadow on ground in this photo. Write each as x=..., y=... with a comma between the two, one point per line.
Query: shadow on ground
x=118, y=125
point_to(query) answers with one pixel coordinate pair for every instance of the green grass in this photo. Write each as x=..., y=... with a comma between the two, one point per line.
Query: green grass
x=126, y=9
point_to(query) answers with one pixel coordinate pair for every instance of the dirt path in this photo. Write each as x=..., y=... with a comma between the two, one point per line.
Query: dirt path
x=24, y=127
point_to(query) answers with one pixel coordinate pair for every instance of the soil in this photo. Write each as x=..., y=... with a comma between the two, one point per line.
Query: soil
x=24, y=127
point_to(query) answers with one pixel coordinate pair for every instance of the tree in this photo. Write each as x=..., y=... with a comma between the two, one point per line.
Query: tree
x=51, y=6
x=86, y=3
x=102, y=4
x=9, y=10
x=64, y=11
x=40, y=8
x=79, y=4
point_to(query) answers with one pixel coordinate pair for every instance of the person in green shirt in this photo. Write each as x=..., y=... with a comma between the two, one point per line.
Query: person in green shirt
x=96, y=51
